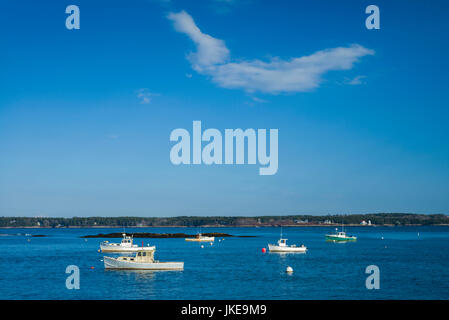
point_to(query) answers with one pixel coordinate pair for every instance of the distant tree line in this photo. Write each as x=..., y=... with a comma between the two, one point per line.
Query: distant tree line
x=196, y=221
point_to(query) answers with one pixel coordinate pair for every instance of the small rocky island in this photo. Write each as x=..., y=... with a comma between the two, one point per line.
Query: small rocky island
x=160, y=235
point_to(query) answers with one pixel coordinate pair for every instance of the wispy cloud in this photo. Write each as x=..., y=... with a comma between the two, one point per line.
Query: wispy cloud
x=259, y=100
x=226, y=6
x=210, y=51
x=356, y=80
x=212, y=58
x=145, y=96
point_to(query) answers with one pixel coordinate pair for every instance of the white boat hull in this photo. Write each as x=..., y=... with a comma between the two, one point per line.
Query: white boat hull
x=274, y=248
x=113, y=263
x=202, y=239
x=113, y=248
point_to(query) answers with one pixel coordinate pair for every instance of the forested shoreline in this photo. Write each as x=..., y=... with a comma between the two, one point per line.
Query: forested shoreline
x=377, y=219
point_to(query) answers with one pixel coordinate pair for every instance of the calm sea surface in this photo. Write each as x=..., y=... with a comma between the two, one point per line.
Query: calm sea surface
x=413, y=262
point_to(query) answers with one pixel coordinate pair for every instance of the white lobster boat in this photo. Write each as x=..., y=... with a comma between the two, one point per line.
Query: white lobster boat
x=201, y=238
x=283, y=247
x=143, y=260
x=126, y=245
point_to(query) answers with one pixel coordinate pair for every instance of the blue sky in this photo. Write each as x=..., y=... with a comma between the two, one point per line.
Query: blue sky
x=86, y=115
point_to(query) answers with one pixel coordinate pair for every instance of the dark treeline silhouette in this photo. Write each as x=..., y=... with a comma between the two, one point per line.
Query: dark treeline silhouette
x=197, y=221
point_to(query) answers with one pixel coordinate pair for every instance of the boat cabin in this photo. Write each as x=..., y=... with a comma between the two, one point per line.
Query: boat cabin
x=141, y=256
x=127, y=241
x=282, y=242
x=145, y=256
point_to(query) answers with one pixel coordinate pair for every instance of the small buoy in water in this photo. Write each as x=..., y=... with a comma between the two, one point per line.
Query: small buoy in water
x=91, y=267
x=289, y=270
x=211, y=243
x=264, y=250
x=418, y=234
x=98, y=250
x=382, y=238
x=202, y=246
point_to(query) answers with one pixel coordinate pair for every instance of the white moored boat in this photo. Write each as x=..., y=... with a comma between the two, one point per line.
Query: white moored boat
x=126, y=245
x=143, y=260
x=201, y=238
x=283, y=247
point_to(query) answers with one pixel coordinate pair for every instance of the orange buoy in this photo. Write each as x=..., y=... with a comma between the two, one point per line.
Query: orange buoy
x=264, y=250
x=91, y=267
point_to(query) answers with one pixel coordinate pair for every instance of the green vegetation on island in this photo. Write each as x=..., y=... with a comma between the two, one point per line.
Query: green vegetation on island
x=378, y=219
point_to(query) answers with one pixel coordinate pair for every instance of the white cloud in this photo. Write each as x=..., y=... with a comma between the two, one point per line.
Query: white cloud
x=356, y=80
x=210, y=51
x=145, y=96
x=305, y=73
x=256, y=99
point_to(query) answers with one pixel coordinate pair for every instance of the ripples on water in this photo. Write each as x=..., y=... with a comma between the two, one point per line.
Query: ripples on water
x=411, y=266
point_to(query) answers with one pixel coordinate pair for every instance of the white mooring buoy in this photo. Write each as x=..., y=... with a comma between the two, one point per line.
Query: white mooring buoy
x=289, y=270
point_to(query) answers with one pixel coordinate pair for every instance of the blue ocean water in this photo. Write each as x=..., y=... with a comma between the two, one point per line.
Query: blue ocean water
x=413, y=263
